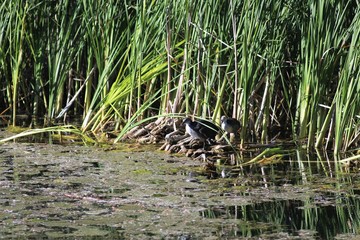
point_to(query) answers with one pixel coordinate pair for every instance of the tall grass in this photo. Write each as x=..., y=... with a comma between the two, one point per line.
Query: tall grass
x=278, y=66
x=321, y=48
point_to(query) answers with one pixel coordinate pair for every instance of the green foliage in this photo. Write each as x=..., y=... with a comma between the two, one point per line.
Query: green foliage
x=289, y=65
x=67, y=129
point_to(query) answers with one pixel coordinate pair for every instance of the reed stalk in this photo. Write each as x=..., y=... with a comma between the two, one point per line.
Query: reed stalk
x=16, y=34
x=281, y=67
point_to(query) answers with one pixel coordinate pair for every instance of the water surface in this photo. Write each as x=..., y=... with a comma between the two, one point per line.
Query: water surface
x=71, y=192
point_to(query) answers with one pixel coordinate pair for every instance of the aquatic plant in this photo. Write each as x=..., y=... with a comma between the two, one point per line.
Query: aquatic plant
x=281, y=67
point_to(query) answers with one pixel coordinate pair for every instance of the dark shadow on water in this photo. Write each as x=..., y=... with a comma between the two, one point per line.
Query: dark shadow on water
x=292, y=216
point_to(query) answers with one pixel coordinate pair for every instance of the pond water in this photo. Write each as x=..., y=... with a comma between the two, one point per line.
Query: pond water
x=50, y=191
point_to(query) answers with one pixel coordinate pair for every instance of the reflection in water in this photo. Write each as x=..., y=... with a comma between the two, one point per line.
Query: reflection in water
x=325, y=221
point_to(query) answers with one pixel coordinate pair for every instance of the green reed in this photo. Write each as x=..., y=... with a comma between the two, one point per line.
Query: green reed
x=14, y=27
x=281, y=67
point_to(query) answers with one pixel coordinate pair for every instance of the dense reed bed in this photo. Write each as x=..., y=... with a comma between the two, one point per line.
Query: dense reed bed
x=287, y=66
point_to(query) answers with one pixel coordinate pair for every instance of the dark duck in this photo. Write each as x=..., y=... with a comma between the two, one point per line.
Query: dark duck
x=202, y=129
x=230, y=125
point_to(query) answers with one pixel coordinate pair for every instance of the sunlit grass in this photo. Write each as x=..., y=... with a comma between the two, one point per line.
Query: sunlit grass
x=67, y=129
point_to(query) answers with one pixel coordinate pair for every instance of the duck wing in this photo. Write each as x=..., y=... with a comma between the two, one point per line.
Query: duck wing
x=208, y=129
